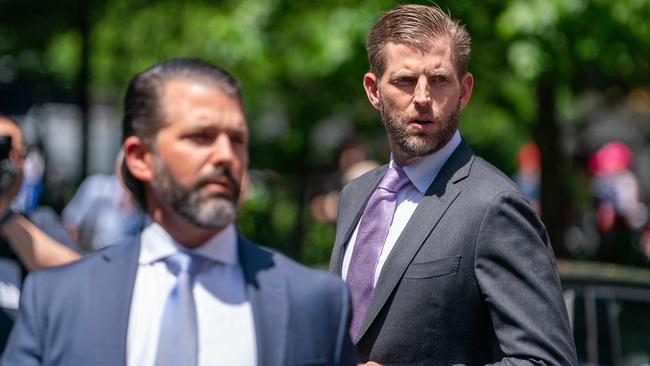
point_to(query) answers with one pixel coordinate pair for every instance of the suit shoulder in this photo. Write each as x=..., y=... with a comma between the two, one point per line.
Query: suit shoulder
x=305, y=275
x=302, y=277
x=81, y=269
x=314, y=292
x=487, y=181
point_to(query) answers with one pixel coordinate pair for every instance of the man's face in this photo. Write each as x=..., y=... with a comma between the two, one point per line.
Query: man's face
x=420, y=98
x=201, y=153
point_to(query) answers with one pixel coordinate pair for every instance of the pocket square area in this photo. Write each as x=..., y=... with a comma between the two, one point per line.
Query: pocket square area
x=435, y=268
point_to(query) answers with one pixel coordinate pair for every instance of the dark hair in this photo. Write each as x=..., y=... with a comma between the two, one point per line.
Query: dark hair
x=142, y=112
x=417, y=26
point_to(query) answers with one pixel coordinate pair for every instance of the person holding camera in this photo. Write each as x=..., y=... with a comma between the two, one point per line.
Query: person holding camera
x=23, y=246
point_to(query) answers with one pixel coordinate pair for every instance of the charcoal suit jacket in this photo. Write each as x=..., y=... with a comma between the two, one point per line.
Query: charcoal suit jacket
x=78, y=314
x=471, y=280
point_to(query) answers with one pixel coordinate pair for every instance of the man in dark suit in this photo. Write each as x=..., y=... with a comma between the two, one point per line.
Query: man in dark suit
x=190, y=290
x=446, y=261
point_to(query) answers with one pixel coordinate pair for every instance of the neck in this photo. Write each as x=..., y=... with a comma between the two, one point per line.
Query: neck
x=401, y=158
x=181, y=229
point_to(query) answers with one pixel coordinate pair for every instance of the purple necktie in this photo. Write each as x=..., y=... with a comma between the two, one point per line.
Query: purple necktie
x=373, y=229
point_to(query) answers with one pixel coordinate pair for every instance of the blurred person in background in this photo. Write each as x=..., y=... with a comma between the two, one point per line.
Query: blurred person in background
x=102, y=211
x=27, y=200
x=353, y=161
x=621, y=214
x=22, y=247
x=446, y=261
x=190, y=290
x=528, y=172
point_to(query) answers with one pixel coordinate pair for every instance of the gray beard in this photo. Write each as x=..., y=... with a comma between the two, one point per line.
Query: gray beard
x=415, y=143
x=215, y=212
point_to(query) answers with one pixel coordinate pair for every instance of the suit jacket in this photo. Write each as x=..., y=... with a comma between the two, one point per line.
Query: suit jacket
x=78, y=314
x=471, y=280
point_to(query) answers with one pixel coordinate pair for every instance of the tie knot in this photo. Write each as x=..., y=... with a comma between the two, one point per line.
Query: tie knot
x=183, y=262
x=394, y=179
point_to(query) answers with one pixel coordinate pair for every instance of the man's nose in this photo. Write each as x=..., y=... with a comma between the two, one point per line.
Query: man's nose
x=223, y=152
x=422, y=92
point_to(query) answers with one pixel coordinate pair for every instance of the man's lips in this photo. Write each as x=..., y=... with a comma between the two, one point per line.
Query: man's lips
x=219, y=186
x=421, y=123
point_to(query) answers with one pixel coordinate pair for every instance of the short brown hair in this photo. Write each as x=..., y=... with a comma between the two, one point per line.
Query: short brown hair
x=417, y=26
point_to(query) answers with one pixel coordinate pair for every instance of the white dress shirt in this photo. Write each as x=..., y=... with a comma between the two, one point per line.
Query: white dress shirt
x=421, y=173
x=224, y=314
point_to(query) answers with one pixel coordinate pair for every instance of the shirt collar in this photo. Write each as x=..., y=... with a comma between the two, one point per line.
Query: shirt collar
x=423, y=171
x=156, y=244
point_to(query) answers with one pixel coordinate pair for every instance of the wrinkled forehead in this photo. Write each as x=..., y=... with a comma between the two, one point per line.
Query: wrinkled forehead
x=201, y=103
x=421, y=45
x=395, y=52
x=424, y=45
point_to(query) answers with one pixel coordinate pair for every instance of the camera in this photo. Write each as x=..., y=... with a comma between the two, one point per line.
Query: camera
x=8, y=172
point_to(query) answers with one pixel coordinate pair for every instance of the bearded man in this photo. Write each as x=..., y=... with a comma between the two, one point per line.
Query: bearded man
x=191, y=291
x=447, y=263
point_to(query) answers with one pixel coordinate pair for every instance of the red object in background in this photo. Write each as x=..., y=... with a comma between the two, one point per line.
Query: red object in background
x=528, y=158
x=612, y=158
x=605, y=216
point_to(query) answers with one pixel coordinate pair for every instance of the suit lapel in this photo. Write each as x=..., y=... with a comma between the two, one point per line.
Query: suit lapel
x=440, y=195
x=114, y=278
x=355, y=202
x=267, y=291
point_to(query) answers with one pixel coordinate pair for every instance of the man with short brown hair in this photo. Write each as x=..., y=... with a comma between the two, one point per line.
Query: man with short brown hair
x=446, y=262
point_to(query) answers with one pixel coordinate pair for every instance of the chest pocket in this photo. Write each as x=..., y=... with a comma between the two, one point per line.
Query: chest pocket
x=435, y=268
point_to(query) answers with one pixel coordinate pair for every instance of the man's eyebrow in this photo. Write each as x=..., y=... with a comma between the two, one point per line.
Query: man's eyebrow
x=441, y=71
x=401, y=72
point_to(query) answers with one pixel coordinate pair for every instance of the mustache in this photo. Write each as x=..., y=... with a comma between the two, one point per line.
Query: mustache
x=218, y=174
x=436, y=118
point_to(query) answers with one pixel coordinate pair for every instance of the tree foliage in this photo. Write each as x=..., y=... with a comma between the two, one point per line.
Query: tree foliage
x=301, y=65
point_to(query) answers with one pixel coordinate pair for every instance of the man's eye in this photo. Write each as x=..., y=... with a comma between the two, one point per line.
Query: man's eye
x=438, y=79
x=239, y=140
x=201, y=138
x=403, y=81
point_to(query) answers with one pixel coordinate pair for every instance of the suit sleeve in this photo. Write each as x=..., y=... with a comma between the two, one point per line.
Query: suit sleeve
x=24, y=345
x=516, y=272
x=345, y=352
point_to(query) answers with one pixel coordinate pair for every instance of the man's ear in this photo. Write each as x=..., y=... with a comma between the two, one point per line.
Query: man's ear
x=466, y=86
x=138, y=159
x=371, y=86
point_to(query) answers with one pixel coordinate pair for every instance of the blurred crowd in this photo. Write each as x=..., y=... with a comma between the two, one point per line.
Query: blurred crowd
x=101, y=213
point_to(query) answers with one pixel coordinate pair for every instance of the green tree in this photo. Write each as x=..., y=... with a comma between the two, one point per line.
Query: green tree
x=301, y=65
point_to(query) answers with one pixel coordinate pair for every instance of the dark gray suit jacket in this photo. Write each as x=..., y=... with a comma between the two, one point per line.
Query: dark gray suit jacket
x=471, y=280
x=79, y=314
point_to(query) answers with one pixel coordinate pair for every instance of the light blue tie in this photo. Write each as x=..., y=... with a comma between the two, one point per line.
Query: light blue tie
x=178, y=343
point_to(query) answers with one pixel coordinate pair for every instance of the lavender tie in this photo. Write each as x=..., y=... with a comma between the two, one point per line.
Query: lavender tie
x=373, y=229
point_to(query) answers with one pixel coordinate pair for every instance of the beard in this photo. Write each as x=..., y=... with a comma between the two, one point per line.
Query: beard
x=215, y=211
x=415, y=142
